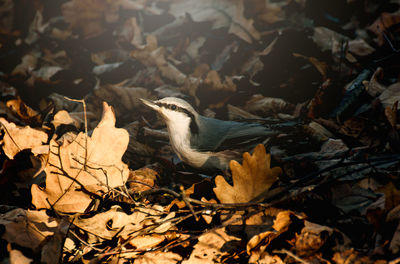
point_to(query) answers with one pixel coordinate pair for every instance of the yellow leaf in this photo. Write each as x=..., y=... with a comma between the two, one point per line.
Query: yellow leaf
x=249, y=179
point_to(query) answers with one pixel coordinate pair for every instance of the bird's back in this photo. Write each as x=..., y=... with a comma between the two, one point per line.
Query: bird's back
x=222, y=135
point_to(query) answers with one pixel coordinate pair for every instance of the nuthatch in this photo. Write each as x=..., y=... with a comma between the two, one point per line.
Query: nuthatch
x=204, y=142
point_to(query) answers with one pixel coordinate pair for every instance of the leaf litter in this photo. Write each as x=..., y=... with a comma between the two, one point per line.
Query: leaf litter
x=95, y=179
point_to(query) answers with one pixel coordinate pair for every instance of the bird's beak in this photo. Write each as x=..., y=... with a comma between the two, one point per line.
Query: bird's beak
x=150, y=104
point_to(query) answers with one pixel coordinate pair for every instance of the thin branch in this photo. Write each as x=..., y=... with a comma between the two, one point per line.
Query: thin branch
x=82, y=101
x=291, y=254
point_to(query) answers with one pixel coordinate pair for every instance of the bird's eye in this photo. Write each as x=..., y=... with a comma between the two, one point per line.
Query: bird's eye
x=173, y=107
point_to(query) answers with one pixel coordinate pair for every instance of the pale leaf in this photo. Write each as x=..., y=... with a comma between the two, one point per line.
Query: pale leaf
x=91, y=163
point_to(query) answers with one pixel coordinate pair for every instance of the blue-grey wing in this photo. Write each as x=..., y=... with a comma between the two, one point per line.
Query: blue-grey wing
x=224, y=135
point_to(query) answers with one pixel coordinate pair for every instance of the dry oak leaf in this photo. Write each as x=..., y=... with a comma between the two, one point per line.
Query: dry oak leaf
x=91, y=164
x=91, y=16
x=212, y=246
x=159, y=258
x=107, y=224
x=281, y=225
x=24, y=112
x=28, y=228
x=222, y=14
x=20, y=138
x=249, y=180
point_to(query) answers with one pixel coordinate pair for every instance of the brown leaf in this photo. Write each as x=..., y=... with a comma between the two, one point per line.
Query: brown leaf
x=382, y=24
x=281, y=225
x=373, y=86
x=28, y=228
x=391, y=114
x=360, y=47
x=16, y=256
x=209, y=247
x=76, y=165
x=268, y=11
x=146, y=242
x=213, y=80
x=232, y=16
x=311, y=238
x=392, y=196
x=389, y=96
x=90, y=17
x=76, y=119
x=321, y=66
x=29, y=62
x=249, y=179
x=158, y=257
x=24, y=112
x=20, y=138
x=142, y=179
x=107, y=224
x=264, y=106
x=352, y=256
x=394, y=245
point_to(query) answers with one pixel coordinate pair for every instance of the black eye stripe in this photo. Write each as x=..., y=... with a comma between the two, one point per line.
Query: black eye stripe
x=193, y=124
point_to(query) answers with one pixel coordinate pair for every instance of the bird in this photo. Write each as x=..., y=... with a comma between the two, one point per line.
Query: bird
x=204, y=142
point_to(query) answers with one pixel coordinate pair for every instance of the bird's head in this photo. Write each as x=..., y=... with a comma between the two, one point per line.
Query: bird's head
x=175, y=112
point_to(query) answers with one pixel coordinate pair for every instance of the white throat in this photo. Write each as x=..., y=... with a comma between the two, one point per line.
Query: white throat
x=178, y=126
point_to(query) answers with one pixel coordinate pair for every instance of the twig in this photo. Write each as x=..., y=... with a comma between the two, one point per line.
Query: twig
x=291, y=254
x=186, y=201
x=8, y=133
x=86, y=129
x=83, y=241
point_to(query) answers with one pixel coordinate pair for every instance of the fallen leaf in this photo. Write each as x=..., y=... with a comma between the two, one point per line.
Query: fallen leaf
x=16, y=256
x=389, y=96
x=328, y=40
x=373, y=86
x=7, y=16
x=392, y=196
x=213, y=80
x=75, y=165
x=28, y=228
x=352, y=256
x=382, y=25
x=146, y=242
x=151, y=55
x=24, y=112
x=222, y=14
x=19, y=138
x=142, y=179
x=281, y=225
x=267, y=11
x=391, y=114
x=90, y=17
x=158, y=257
x=394, y=245
x=29, y=62
x=265, y=106
x=266, y=258
x=321, y=66
x=209, y=247
x=249, y=180
x=107, y=224
x=312, y=238
x=360, y=47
